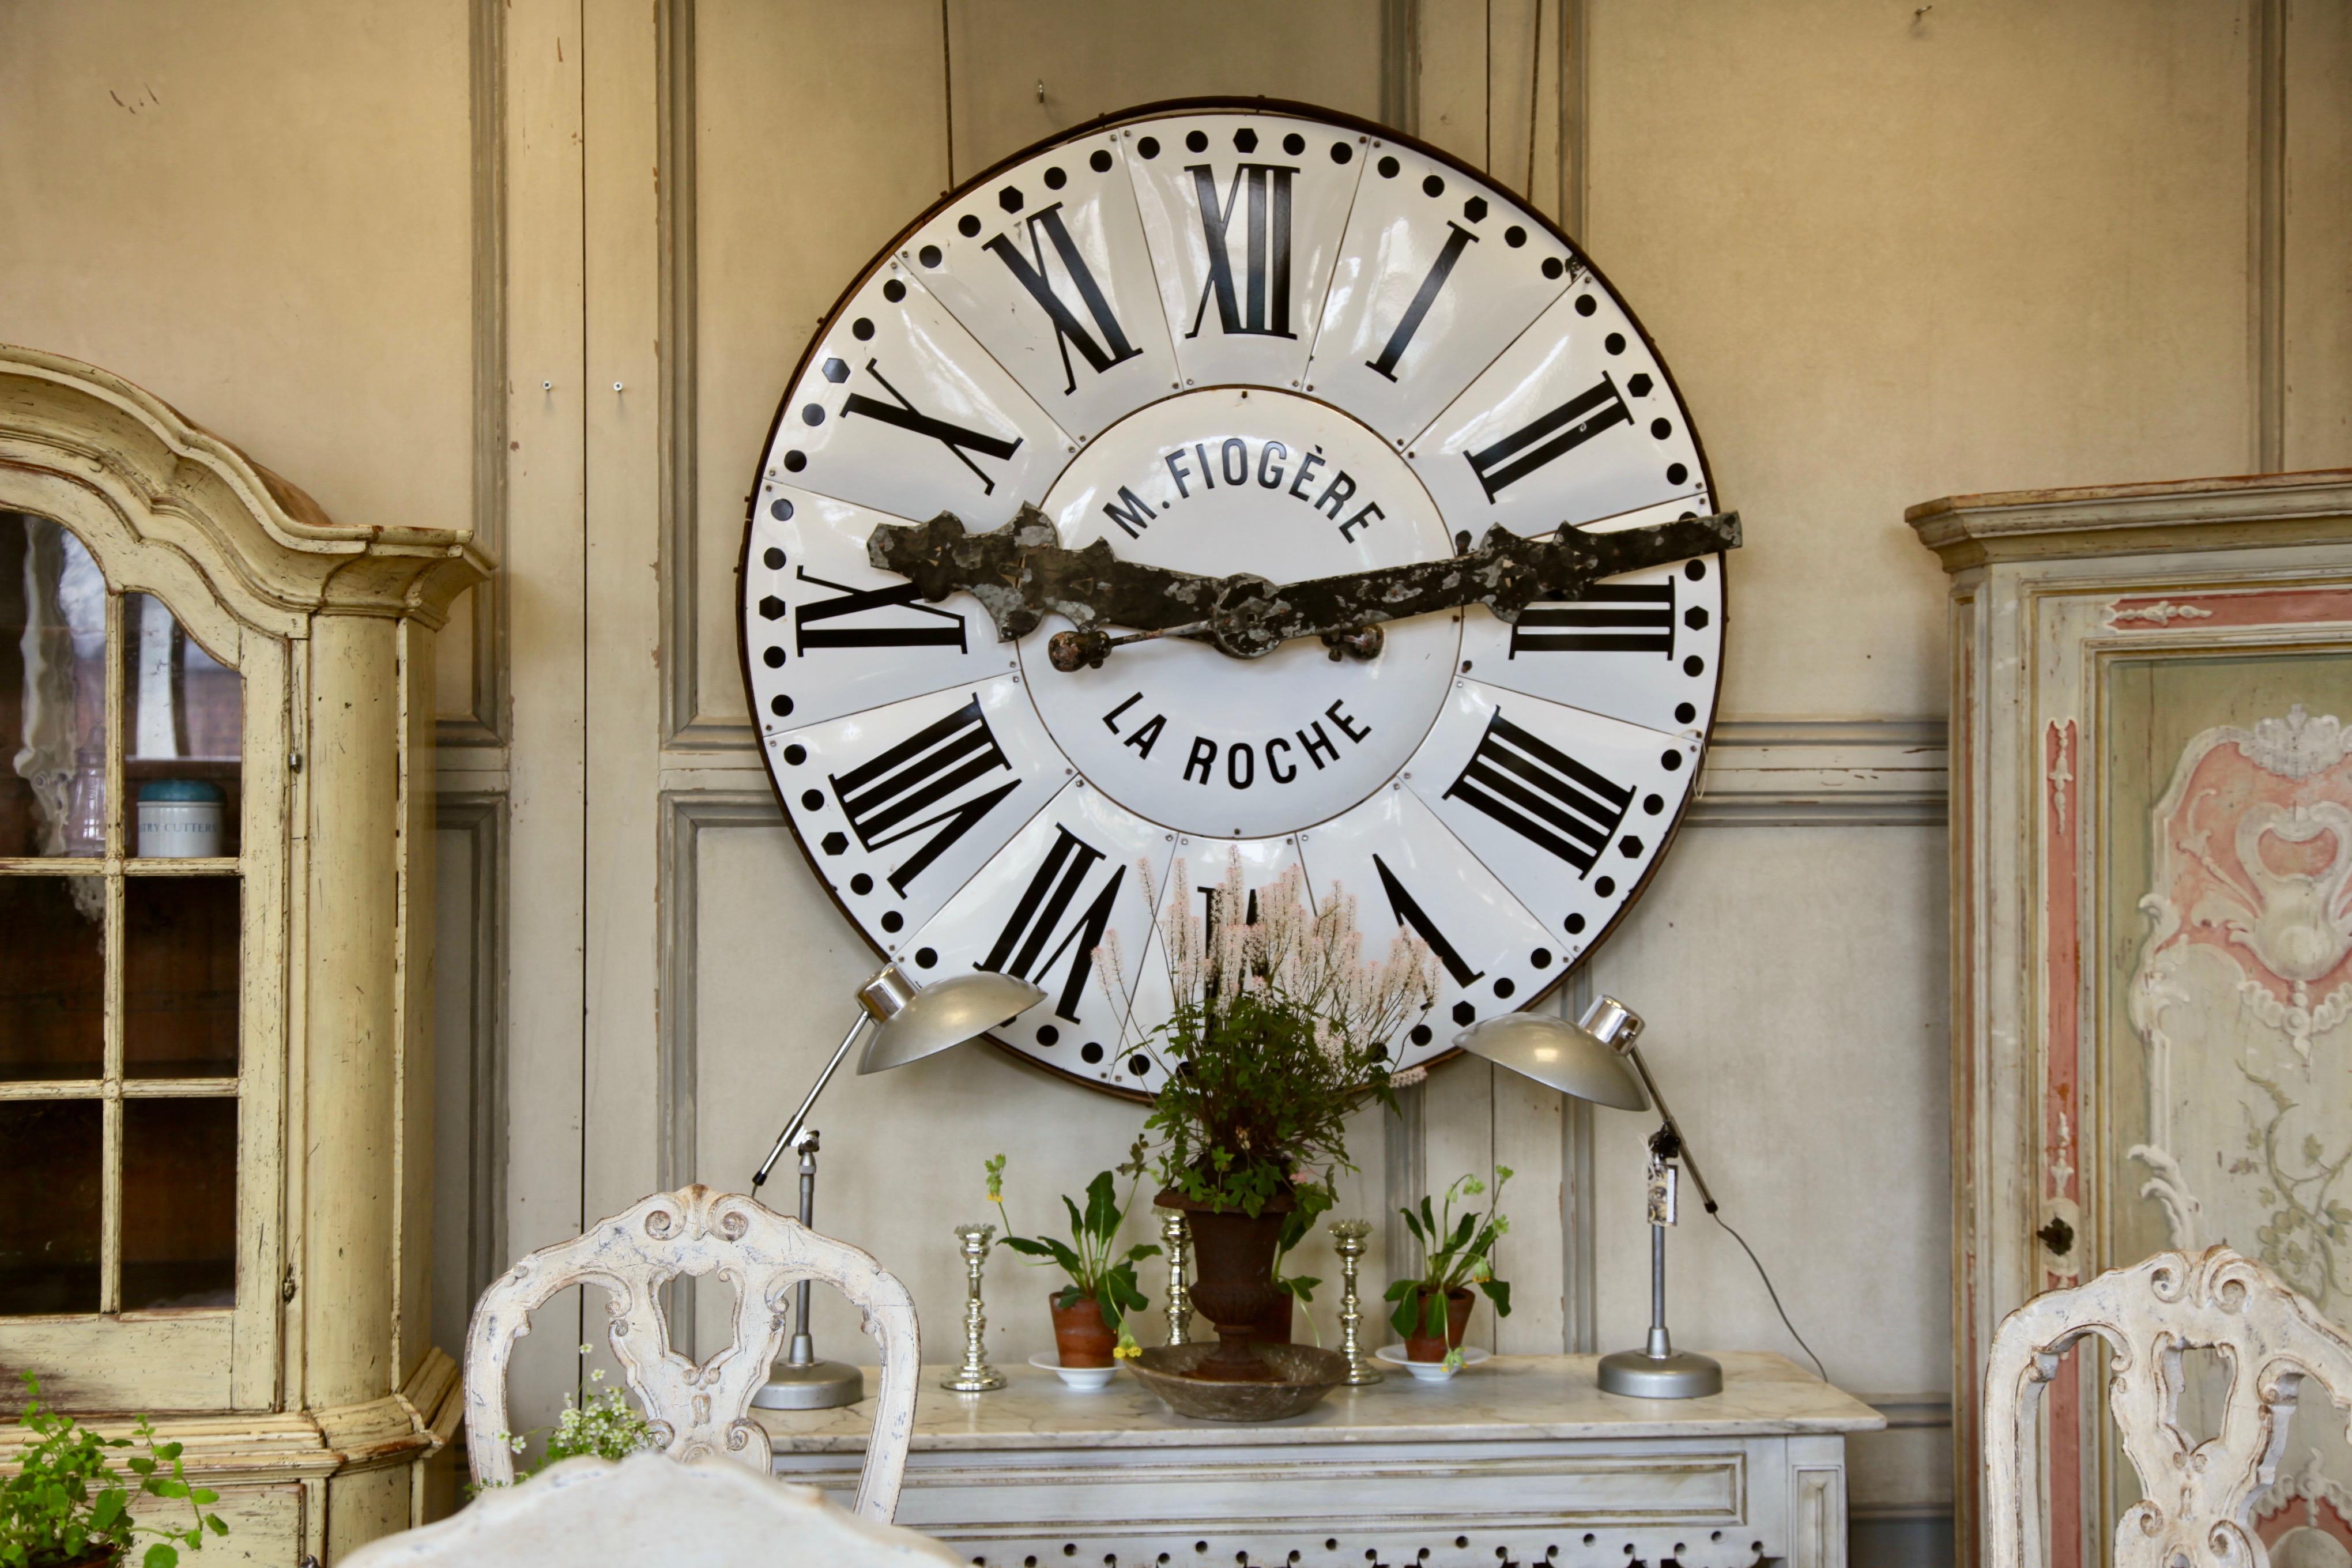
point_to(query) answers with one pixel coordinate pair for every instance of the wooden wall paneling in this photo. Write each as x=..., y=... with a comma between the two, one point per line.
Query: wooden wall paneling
x=545, y=562
x=470, y=1109
x=472, y=684
x=1863, y=212
x=2315, y=218
x=621, y=96
x=1326, y=52
x=757, y=249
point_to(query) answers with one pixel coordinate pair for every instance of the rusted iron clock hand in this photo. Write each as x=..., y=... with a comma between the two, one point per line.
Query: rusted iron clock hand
x=1020, y=573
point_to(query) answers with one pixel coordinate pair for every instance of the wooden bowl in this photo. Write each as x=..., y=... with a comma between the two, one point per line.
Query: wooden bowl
x=1303, y=1375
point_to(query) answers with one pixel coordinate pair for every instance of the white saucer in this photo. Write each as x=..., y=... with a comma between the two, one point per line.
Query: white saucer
x=1086, y=1379
x=1430, y=1371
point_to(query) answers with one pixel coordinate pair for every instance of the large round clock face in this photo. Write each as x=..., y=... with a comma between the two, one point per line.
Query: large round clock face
x=1220, y=340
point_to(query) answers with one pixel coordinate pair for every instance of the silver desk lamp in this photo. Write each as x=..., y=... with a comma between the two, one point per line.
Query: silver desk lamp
x=908, y=1024
x=1587, y=1059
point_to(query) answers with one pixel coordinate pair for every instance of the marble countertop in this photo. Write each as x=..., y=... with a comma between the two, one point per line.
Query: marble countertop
x=1507, y=1397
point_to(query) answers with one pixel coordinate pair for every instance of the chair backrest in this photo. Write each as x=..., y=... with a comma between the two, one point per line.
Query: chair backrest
x=702, y=1408
x=2198, y=1497
x=648, y=1510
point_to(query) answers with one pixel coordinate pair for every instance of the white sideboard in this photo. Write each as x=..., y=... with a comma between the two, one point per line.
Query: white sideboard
x=1520, y=1461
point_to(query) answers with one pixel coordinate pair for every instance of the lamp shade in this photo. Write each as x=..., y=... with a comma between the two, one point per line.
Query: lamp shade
x=920, y=1023
x=1565, y=1056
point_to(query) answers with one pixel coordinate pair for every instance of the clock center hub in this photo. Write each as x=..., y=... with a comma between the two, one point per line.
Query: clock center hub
x=1286, y=489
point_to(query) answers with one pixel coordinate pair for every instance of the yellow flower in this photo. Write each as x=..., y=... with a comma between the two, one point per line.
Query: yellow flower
x=1127, y=1352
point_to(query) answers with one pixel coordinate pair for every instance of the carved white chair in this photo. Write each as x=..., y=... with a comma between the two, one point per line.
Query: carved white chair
x=2199, y=1497
x=699, y=1409
x=649, y=1511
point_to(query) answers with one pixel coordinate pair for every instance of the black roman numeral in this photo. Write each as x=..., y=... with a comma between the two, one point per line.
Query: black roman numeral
x=1039, y=916
x=1409, y=912
x=1611, y=618
x=1562, y=430
x=861, y=601
x=885, y=798
x=1459, y=240
x=1261, y=308
x=954, y=438
x=1031, y=273
x=1541, y=794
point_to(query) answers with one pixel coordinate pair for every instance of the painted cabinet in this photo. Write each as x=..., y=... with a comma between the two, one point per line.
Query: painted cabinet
x=215, y=1067
x=2152, y=933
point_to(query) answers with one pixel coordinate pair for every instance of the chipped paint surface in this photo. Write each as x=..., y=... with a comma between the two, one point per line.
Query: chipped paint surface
x=1020, y=573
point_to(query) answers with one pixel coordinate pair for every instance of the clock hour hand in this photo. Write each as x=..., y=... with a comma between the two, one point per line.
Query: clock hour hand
x=1021, y=572
x=1506, y=572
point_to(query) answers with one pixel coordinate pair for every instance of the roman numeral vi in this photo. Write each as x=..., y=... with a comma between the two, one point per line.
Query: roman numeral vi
x=885, y=798
x=1409, y=912
x=1541, y=794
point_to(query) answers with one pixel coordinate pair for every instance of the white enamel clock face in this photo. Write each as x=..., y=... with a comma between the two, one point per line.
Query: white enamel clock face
x=1229, y=339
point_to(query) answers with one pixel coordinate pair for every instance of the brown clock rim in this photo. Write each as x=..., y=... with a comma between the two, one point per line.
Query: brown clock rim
x=1162, y=109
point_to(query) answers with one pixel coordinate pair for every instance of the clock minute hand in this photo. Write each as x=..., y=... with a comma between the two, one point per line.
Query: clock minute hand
x=1506, y=572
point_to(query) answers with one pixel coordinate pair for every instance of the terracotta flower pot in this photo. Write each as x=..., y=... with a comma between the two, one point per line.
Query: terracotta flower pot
x=1430, y=1347
x=1081, y=1338
x=1234, y=1288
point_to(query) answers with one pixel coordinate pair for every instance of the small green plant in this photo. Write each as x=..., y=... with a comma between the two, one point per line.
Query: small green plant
x=1091, y=1258
x=607, y=1427
x=67, y=1503
x=1453, y=1253
x=1314, y=1201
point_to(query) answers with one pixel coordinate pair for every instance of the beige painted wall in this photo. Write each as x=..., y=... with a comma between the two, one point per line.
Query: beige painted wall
x=402, y=254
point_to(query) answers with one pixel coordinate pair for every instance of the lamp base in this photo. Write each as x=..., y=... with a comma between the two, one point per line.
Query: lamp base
x=1676, y=1375
x=820, y=1386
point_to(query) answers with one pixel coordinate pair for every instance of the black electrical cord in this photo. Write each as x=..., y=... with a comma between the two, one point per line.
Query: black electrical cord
x=1760, y=1274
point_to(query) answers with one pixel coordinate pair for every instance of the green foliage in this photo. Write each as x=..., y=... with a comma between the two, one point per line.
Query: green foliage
x=1256, y=1101
x=1454, y=1252
x=607, y=1427
x=67, y=1501
x=1090, y=1258
x=1314, y=1201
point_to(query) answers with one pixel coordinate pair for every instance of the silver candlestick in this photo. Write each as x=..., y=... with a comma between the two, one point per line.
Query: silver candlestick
x=1348, y=1236
x=976, y=1375
x=1175, y=1234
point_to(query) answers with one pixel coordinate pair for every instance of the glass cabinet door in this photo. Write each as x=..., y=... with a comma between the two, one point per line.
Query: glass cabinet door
x=121, y=914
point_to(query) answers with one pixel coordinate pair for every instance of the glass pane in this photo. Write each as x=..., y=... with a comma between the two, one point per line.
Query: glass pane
x=52, y=691
x=49, y=1190
x=52, y=977
x=182, y=728
x=180, y=976
x=179, y=1204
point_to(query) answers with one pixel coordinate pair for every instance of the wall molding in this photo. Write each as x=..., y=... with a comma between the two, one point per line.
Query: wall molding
x=2266, y=220
x=1824, y=772
x=484, y=723
x=482, y=818
x=683, y=721
x=685, y=813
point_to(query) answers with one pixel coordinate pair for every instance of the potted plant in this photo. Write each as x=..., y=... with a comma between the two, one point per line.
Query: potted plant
x=1280, y=1030
x=1434, y=1309
x=68, y=1506
x=1090, y=1308
x=606, y=1424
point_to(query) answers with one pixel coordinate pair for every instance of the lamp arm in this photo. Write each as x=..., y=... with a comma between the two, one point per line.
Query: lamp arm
x=792, y=1128
x=1633, y=1054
